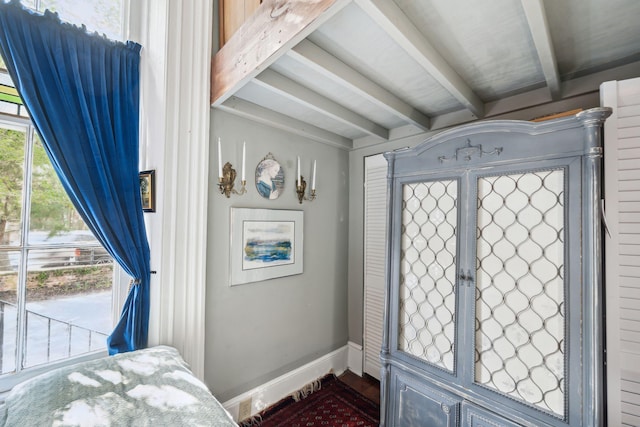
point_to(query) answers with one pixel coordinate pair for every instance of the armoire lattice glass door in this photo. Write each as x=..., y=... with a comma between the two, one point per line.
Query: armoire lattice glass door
x=428, y=272
x=519, y=284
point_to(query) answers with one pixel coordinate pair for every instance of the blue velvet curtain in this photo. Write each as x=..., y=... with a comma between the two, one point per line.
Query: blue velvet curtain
x=82, y=93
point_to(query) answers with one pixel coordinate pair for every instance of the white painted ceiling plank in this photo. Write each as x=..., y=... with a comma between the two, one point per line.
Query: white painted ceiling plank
x=593, y=81
x=273, y=100
x=569, y=89
x=271, y=118
x=537, y=20
x=519, y=101
x=300, y=94
x=391, y=19
x=319, y=83
x=323, y=62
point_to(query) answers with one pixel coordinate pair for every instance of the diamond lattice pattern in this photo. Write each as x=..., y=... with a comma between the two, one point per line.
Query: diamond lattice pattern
x=520, y=320
x=428, y=272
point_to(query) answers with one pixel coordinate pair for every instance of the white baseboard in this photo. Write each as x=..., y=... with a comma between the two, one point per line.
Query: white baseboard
x=278, y=388
x=355, y=358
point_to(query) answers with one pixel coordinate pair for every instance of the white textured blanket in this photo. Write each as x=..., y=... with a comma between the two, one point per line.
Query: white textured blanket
x=151, y=387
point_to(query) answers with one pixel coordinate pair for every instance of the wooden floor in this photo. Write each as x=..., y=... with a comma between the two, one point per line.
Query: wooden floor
x=365, y=385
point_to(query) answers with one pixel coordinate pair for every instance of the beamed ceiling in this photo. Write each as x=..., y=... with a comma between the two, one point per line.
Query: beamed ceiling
x=353, y=72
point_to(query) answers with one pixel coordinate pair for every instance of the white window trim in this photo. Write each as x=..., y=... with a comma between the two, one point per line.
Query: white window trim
x=176, y=36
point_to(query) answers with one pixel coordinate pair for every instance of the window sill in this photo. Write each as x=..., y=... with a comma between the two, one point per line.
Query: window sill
x=10, y=380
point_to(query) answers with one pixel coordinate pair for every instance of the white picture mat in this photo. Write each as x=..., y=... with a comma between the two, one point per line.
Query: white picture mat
x=247, y=224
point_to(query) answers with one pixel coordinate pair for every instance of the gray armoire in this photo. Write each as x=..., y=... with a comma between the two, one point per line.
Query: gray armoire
x=493, y=309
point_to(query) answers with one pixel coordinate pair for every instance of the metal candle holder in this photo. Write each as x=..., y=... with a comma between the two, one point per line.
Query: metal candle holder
x=226, y=181
x=301, y=188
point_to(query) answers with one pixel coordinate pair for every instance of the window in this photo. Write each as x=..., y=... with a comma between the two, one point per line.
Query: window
x=103, y=16
x=55, y=277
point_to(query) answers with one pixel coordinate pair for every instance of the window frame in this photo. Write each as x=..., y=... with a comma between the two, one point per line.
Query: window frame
x=10, y=379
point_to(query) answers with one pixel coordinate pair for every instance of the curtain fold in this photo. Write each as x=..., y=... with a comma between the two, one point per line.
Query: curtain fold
x=82, y=93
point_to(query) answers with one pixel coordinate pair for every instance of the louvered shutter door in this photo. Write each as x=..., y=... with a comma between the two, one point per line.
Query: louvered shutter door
x=375, y=211
x=622, y=262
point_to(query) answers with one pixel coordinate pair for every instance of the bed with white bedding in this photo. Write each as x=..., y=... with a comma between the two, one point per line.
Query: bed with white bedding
x=150, y=387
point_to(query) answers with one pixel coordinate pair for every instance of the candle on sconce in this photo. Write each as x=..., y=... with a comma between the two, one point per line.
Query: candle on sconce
x=219, y=159
x=244, y=155
x=299, y=183
x=313, y=179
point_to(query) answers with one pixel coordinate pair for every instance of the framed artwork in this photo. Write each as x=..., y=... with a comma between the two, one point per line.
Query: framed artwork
x=265, y=244
x=269, y=178
x=148, y=190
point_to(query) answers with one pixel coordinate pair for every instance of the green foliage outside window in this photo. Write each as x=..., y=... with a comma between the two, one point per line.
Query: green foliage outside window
x=51, y=208
x=11, y=160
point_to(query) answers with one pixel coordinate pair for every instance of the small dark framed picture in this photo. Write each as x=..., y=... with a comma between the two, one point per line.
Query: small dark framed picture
x=148, y=190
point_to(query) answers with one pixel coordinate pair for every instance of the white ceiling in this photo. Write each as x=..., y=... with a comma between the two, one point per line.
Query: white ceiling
x=367, y=68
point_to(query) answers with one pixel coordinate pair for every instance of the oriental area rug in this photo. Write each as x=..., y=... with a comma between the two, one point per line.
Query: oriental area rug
x=327, y=402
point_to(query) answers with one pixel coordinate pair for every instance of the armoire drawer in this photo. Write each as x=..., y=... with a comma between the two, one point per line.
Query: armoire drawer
x=474, y=416
x=418, y=405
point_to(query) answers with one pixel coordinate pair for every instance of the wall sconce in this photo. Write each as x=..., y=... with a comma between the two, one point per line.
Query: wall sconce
x=301, y=185
x=227, y=175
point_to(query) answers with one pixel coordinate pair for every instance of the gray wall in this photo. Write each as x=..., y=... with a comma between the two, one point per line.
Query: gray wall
x=259, y=331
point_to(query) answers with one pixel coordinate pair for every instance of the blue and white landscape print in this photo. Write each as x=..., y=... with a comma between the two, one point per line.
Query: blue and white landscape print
x=267, y=243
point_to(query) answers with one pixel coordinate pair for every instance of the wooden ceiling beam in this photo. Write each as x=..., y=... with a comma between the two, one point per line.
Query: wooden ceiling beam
x=304, y=96
x=321, y=61
x=275, y=27
x=396, y=24
x=539, y=27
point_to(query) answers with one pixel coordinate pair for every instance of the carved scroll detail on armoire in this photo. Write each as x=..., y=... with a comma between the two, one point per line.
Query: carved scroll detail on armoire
x=493, y=311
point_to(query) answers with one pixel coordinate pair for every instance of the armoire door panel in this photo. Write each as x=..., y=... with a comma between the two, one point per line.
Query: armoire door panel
x=428, y=272
x=473, y=416
x=519, y=310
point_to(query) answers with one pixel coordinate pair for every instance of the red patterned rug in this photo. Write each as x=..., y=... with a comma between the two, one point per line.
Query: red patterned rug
x=334, y=404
